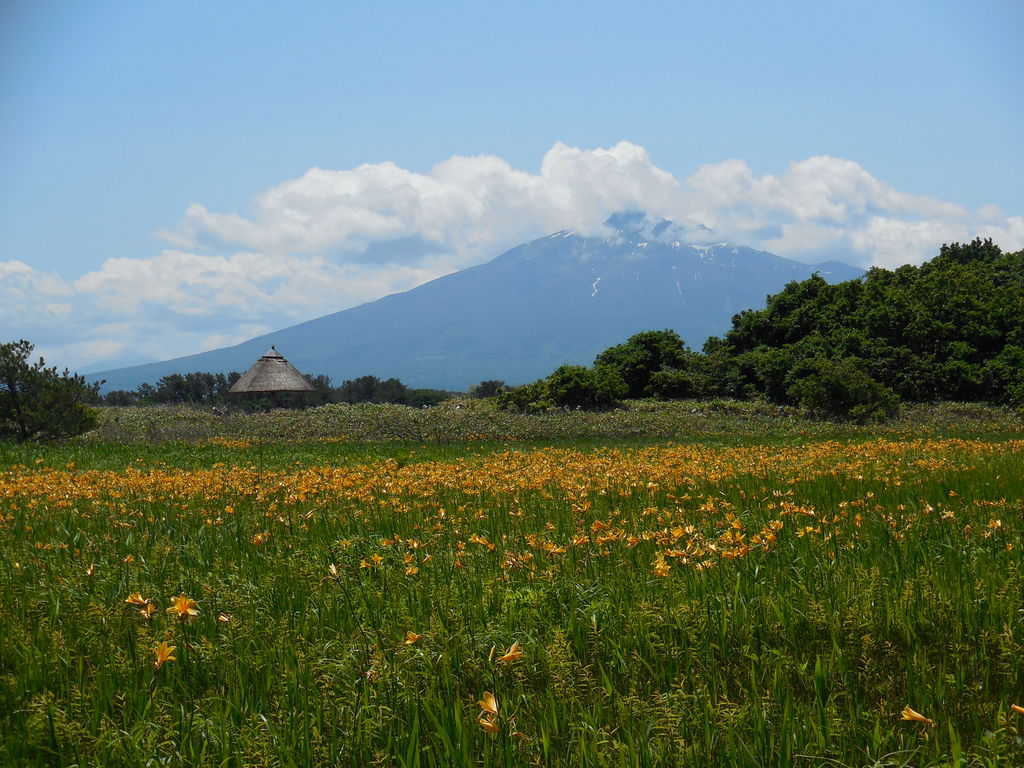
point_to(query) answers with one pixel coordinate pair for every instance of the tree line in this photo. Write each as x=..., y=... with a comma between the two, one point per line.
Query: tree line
x=203, y=388
x=950, y=329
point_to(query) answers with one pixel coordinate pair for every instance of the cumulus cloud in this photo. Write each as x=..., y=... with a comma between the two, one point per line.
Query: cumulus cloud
x=331, y=239
x=472, y=208
x=830, y=208
x=465, y=206
x=177, y=303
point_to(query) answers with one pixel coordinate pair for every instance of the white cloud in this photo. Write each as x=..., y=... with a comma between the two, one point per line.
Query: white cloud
x=178, y=303
x=889, y=240
x=468, y=207
x=820, y=208
x=331, y=239
x=1008, y=234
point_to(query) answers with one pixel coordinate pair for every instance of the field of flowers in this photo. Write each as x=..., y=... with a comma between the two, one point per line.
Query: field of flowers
x=853, y=602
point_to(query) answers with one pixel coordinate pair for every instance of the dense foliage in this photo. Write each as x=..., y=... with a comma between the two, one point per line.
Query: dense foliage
x=472, y=422
x=38, y=403
x=950, y=329
x=641, y=358
x=370, y=389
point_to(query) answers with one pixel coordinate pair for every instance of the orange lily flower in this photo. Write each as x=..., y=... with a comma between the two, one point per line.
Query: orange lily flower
x=489, y=704
x=1017, y=708
x=136, y=599
x=163, y=653
x=489, y=724
x=916, y=717
x=183, y=607
x=412, y=637
x=488, y=717
x=513, y=653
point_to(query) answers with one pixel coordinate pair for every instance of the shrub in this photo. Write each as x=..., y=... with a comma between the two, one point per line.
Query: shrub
x=529, y=397
x=641, y=356
x=840, y=389
x=489, y=388
x=38, y=403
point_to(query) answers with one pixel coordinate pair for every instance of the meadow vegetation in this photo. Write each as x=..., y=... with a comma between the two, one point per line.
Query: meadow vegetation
x=667, y=584
x=474, y=421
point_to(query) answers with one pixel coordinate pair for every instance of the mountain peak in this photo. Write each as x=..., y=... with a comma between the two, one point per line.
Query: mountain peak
x=558, y=299
x=639, y=225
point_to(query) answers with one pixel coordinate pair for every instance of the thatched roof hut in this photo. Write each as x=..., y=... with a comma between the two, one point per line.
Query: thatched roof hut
x=272, y=374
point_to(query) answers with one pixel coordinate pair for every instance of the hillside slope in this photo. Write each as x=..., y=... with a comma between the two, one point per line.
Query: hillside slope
x=559, y=299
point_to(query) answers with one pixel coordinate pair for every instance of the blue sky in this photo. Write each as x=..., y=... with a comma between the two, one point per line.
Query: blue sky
x=159, y=191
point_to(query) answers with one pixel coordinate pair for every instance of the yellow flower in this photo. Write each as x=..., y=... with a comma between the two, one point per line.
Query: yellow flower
x=916, y=717
x=512, y=654
x=183, y=607
x=661, y=568
x=147, y=611
x=489, y=704
x=163, y=653
x=488, y=717
x=412, y=637
x=373, y=562
x=136, y=599
x=489, y=724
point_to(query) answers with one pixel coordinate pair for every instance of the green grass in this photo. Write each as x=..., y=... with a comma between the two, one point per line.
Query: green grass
x=458, y=422
x=800, y=653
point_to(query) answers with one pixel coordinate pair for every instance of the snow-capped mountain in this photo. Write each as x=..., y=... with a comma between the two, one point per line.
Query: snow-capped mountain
x=559, y=299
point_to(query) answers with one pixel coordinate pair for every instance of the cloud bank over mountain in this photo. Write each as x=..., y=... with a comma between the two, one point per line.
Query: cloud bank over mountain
x=331, y=239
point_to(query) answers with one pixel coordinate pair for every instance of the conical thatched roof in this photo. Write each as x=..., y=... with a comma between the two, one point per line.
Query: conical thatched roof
x=272, y=373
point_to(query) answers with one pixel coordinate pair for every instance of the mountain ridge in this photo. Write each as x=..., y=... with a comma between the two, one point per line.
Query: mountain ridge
x=558, y=299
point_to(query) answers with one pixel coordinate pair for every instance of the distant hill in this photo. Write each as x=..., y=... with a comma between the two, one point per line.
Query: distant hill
x=559, y=299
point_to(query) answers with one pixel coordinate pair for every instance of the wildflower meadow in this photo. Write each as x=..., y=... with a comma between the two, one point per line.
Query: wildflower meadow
x=761, y=596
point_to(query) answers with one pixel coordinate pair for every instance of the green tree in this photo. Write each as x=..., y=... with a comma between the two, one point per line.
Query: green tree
x=641, y=356
x=573, y=386
x=489, y=388
x=841, y=389
x=945, y=330
x=528, y=397
x=38, y=403
x=1004, y=376
x=120, y=398
x=361, y=390
x=391, y=391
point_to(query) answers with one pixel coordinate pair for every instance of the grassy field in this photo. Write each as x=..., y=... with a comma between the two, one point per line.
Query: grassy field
x=701, y=584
